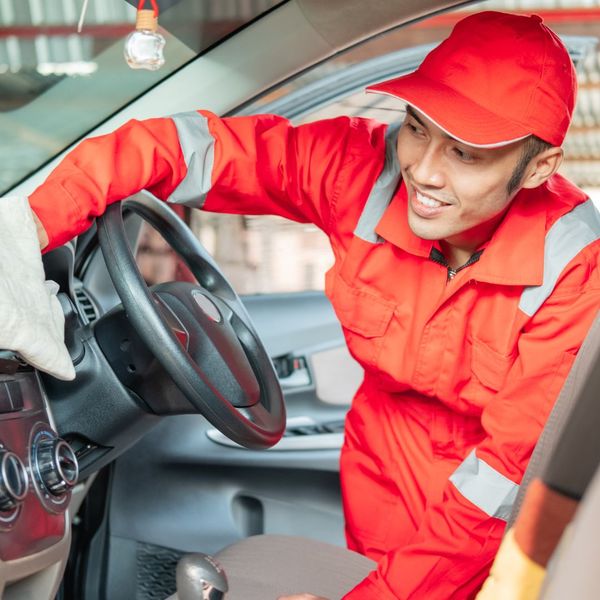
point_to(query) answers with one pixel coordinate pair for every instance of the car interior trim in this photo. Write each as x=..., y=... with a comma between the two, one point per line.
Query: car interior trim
x=336, y=374
x=317, y=441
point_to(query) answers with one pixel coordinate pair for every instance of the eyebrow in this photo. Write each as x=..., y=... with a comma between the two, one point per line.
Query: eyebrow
x=412, y=113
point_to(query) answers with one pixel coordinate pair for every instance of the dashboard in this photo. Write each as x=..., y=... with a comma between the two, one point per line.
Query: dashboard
x=38, y=471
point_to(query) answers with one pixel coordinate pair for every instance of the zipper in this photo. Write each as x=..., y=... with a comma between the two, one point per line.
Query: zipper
x=437, y=257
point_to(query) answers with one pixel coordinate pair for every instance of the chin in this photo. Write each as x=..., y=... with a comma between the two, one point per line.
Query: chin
x=425, y=230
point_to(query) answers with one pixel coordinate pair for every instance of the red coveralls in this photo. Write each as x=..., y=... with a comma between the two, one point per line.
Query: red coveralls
x=460, y=374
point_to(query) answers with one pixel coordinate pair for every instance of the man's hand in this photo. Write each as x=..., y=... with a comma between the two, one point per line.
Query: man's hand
x=41, y=232
x=302, y=597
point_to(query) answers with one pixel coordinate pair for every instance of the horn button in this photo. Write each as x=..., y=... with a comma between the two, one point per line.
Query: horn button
x=208, y=307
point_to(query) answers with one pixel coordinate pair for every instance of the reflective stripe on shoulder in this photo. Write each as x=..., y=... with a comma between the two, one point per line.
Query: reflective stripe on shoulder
x=383, y=190
x=485, y=487
x=198, y=148
x=564, y=240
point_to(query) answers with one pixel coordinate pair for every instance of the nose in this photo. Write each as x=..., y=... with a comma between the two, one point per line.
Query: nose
x=426, y=170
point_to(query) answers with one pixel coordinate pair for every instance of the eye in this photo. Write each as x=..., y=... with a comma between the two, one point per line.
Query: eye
x=463, y=155
x=414, y=129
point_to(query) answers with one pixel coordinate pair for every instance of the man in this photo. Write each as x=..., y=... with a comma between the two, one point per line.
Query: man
x=465, y=276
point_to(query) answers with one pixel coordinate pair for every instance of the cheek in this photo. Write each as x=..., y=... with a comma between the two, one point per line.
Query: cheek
x=480, y=192
x=483, y=204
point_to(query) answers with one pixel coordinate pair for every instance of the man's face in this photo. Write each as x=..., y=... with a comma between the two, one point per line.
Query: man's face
x=456, y=193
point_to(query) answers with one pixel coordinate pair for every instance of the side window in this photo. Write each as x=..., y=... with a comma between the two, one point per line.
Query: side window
x=259, y=255
x=264, y=254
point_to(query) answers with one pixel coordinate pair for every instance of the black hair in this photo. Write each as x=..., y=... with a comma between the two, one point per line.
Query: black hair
x=532, y=147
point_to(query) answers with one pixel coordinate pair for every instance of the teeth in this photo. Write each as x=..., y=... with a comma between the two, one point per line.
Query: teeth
x=427, y=201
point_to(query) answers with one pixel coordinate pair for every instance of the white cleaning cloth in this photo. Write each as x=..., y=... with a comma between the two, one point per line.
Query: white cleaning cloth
x=31, y=319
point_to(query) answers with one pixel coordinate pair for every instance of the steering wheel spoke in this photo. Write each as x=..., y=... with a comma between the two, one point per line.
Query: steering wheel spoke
x=176, y=326
x=212, y=342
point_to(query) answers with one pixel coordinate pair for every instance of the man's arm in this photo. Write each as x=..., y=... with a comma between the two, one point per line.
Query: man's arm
x=244, y=165
x=451, y=552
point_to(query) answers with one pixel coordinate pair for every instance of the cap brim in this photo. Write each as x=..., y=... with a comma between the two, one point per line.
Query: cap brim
x=459, y=117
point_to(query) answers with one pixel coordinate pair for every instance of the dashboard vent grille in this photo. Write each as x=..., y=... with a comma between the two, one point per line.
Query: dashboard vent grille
x=86, y=306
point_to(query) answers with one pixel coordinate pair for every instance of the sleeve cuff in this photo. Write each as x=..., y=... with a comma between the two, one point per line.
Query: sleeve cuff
x=59, y=214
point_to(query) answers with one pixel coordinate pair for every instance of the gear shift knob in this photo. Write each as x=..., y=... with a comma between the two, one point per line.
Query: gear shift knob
x=200, y=577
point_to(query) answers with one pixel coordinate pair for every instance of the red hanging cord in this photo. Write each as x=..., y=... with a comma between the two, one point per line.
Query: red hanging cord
x=142, y=3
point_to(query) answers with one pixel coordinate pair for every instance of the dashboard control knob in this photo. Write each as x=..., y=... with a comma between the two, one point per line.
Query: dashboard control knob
x=13, y=480
x=57, y=466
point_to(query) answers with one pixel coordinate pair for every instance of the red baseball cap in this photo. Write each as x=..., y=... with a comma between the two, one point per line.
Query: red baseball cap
x=496, y=79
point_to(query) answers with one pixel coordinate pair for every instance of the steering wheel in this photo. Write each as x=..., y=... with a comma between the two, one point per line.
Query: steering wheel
x=200, y=334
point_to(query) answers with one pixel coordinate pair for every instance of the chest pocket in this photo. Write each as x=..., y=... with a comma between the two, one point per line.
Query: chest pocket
x=490, y=368
x=365, y=318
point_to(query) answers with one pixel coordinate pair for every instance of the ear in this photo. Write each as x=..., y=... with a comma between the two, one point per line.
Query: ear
x=542, y=167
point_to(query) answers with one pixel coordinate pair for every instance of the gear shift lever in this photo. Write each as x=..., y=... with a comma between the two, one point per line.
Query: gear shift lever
x=200, y=577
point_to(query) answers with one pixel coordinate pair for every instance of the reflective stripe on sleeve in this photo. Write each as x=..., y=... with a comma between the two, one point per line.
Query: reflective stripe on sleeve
x=383, y=190
x=198, y=148
x=485, y=487
x=564, y=240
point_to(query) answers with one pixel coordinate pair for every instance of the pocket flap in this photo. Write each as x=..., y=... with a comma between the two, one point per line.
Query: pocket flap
x=360, y=311
x=489, y=366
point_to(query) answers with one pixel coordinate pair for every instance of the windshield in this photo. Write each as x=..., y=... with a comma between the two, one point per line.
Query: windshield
x=56, y=84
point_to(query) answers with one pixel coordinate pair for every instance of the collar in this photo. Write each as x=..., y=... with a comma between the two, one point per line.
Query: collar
x=393, y=226
x=514, y=255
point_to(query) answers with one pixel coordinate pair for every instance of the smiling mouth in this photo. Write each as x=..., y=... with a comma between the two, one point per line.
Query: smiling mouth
x=425, y=206
x=428, y=201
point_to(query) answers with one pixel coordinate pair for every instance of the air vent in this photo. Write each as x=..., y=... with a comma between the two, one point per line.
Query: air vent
x=86, y=307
